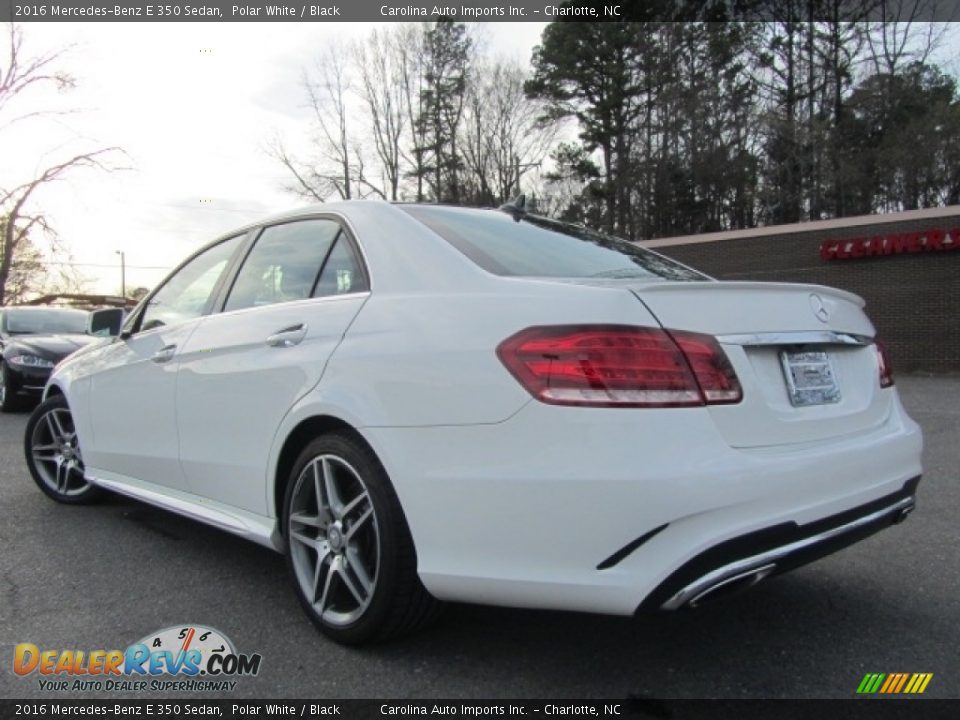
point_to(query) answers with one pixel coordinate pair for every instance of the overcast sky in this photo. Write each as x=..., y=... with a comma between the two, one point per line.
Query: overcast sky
x=193, y=105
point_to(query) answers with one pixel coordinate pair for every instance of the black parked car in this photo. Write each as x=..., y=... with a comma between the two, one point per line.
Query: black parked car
x=34, y=339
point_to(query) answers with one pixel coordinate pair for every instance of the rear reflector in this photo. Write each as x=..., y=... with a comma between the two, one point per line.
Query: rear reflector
x=619, y=366
x=886, y=372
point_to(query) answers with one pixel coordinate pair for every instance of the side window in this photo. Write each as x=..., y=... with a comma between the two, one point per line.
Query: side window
x=283, y=264
x=186, y=294
x=343, y=271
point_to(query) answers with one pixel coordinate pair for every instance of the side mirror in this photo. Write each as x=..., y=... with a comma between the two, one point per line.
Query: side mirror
x=105, y=323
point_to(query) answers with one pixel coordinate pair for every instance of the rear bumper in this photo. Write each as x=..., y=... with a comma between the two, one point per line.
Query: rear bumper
x=598, y=509
x=747, y=559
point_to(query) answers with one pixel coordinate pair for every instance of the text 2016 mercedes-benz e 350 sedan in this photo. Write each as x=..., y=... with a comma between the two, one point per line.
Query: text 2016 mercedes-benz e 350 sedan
x=420, y=403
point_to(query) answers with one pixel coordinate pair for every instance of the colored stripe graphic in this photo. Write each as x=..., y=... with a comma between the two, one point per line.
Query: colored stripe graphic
x=894, y=683
x=870, y=683
x=919, y=682
x=903, y=679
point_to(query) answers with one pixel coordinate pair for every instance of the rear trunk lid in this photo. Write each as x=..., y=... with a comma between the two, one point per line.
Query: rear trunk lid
x=803, y=354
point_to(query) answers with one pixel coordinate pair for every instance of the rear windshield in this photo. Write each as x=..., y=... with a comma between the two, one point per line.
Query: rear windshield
x=538, y=247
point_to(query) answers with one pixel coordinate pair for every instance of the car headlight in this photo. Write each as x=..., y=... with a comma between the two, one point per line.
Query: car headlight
x=30, y=361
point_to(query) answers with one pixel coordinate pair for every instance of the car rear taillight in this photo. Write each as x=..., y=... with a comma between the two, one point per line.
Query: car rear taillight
x=620, y=366
x=710, y=365
x=886, y=372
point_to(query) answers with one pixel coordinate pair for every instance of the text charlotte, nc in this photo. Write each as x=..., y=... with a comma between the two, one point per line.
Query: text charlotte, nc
x=311, y=11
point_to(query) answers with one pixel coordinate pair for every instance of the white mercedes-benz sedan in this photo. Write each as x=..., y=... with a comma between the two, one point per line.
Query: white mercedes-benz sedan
x=422, y=403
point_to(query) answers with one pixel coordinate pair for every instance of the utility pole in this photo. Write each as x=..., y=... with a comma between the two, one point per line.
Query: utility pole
x=123, y=274
x=519, y=168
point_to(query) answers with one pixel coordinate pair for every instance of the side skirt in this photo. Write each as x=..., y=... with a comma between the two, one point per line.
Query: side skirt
x=256, y=528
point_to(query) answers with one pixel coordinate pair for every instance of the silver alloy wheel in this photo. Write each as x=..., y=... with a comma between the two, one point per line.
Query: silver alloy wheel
x=56, y=453
x=334, y=539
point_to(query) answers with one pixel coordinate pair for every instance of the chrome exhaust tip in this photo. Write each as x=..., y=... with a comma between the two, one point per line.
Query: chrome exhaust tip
x=745, y=573
x=902, y=513
x=731, y=585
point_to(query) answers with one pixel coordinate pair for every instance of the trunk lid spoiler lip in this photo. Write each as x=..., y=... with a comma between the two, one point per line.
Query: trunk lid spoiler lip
x=734, y=285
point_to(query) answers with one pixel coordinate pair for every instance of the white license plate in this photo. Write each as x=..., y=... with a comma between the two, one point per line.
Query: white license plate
x=810, y=378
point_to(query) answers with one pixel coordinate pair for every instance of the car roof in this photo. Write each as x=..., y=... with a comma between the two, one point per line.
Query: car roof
x=348, y=208
x=44, y=308
x=402, y=258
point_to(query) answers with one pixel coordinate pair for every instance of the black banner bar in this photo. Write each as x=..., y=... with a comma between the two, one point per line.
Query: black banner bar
x=460, y=10
x=311, y=11
x=242, y=709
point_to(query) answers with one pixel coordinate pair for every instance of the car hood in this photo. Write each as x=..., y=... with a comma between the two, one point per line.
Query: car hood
x=50, y=347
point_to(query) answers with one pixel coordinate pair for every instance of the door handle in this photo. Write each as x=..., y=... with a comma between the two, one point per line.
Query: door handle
x=164, y=354
x=288, y=337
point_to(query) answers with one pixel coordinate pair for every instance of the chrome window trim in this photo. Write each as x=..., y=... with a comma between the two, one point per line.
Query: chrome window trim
x=813, y=337
x=321, y=299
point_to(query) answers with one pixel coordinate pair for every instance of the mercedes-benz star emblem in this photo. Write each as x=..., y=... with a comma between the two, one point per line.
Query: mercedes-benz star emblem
x=819, y=308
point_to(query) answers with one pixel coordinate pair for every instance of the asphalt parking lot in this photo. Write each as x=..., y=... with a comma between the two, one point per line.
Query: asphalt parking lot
x=106, y=575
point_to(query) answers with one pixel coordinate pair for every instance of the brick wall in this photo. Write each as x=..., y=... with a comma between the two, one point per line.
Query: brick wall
x=913, y=298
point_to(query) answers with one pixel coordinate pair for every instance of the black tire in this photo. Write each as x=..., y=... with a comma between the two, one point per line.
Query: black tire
x=398, y=602
x=9, y=401
x=62, y=465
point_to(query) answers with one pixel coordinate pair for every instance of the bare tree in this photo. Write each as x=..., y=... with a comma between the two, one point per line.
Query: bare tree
x=411, y=51
x=307, y=182
x=19, y=223
x=326, y=87
x=903, y=34
x=19, y=220
x=21, y=72
x=503, y=135
x=382, y=75
x=26, y=274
